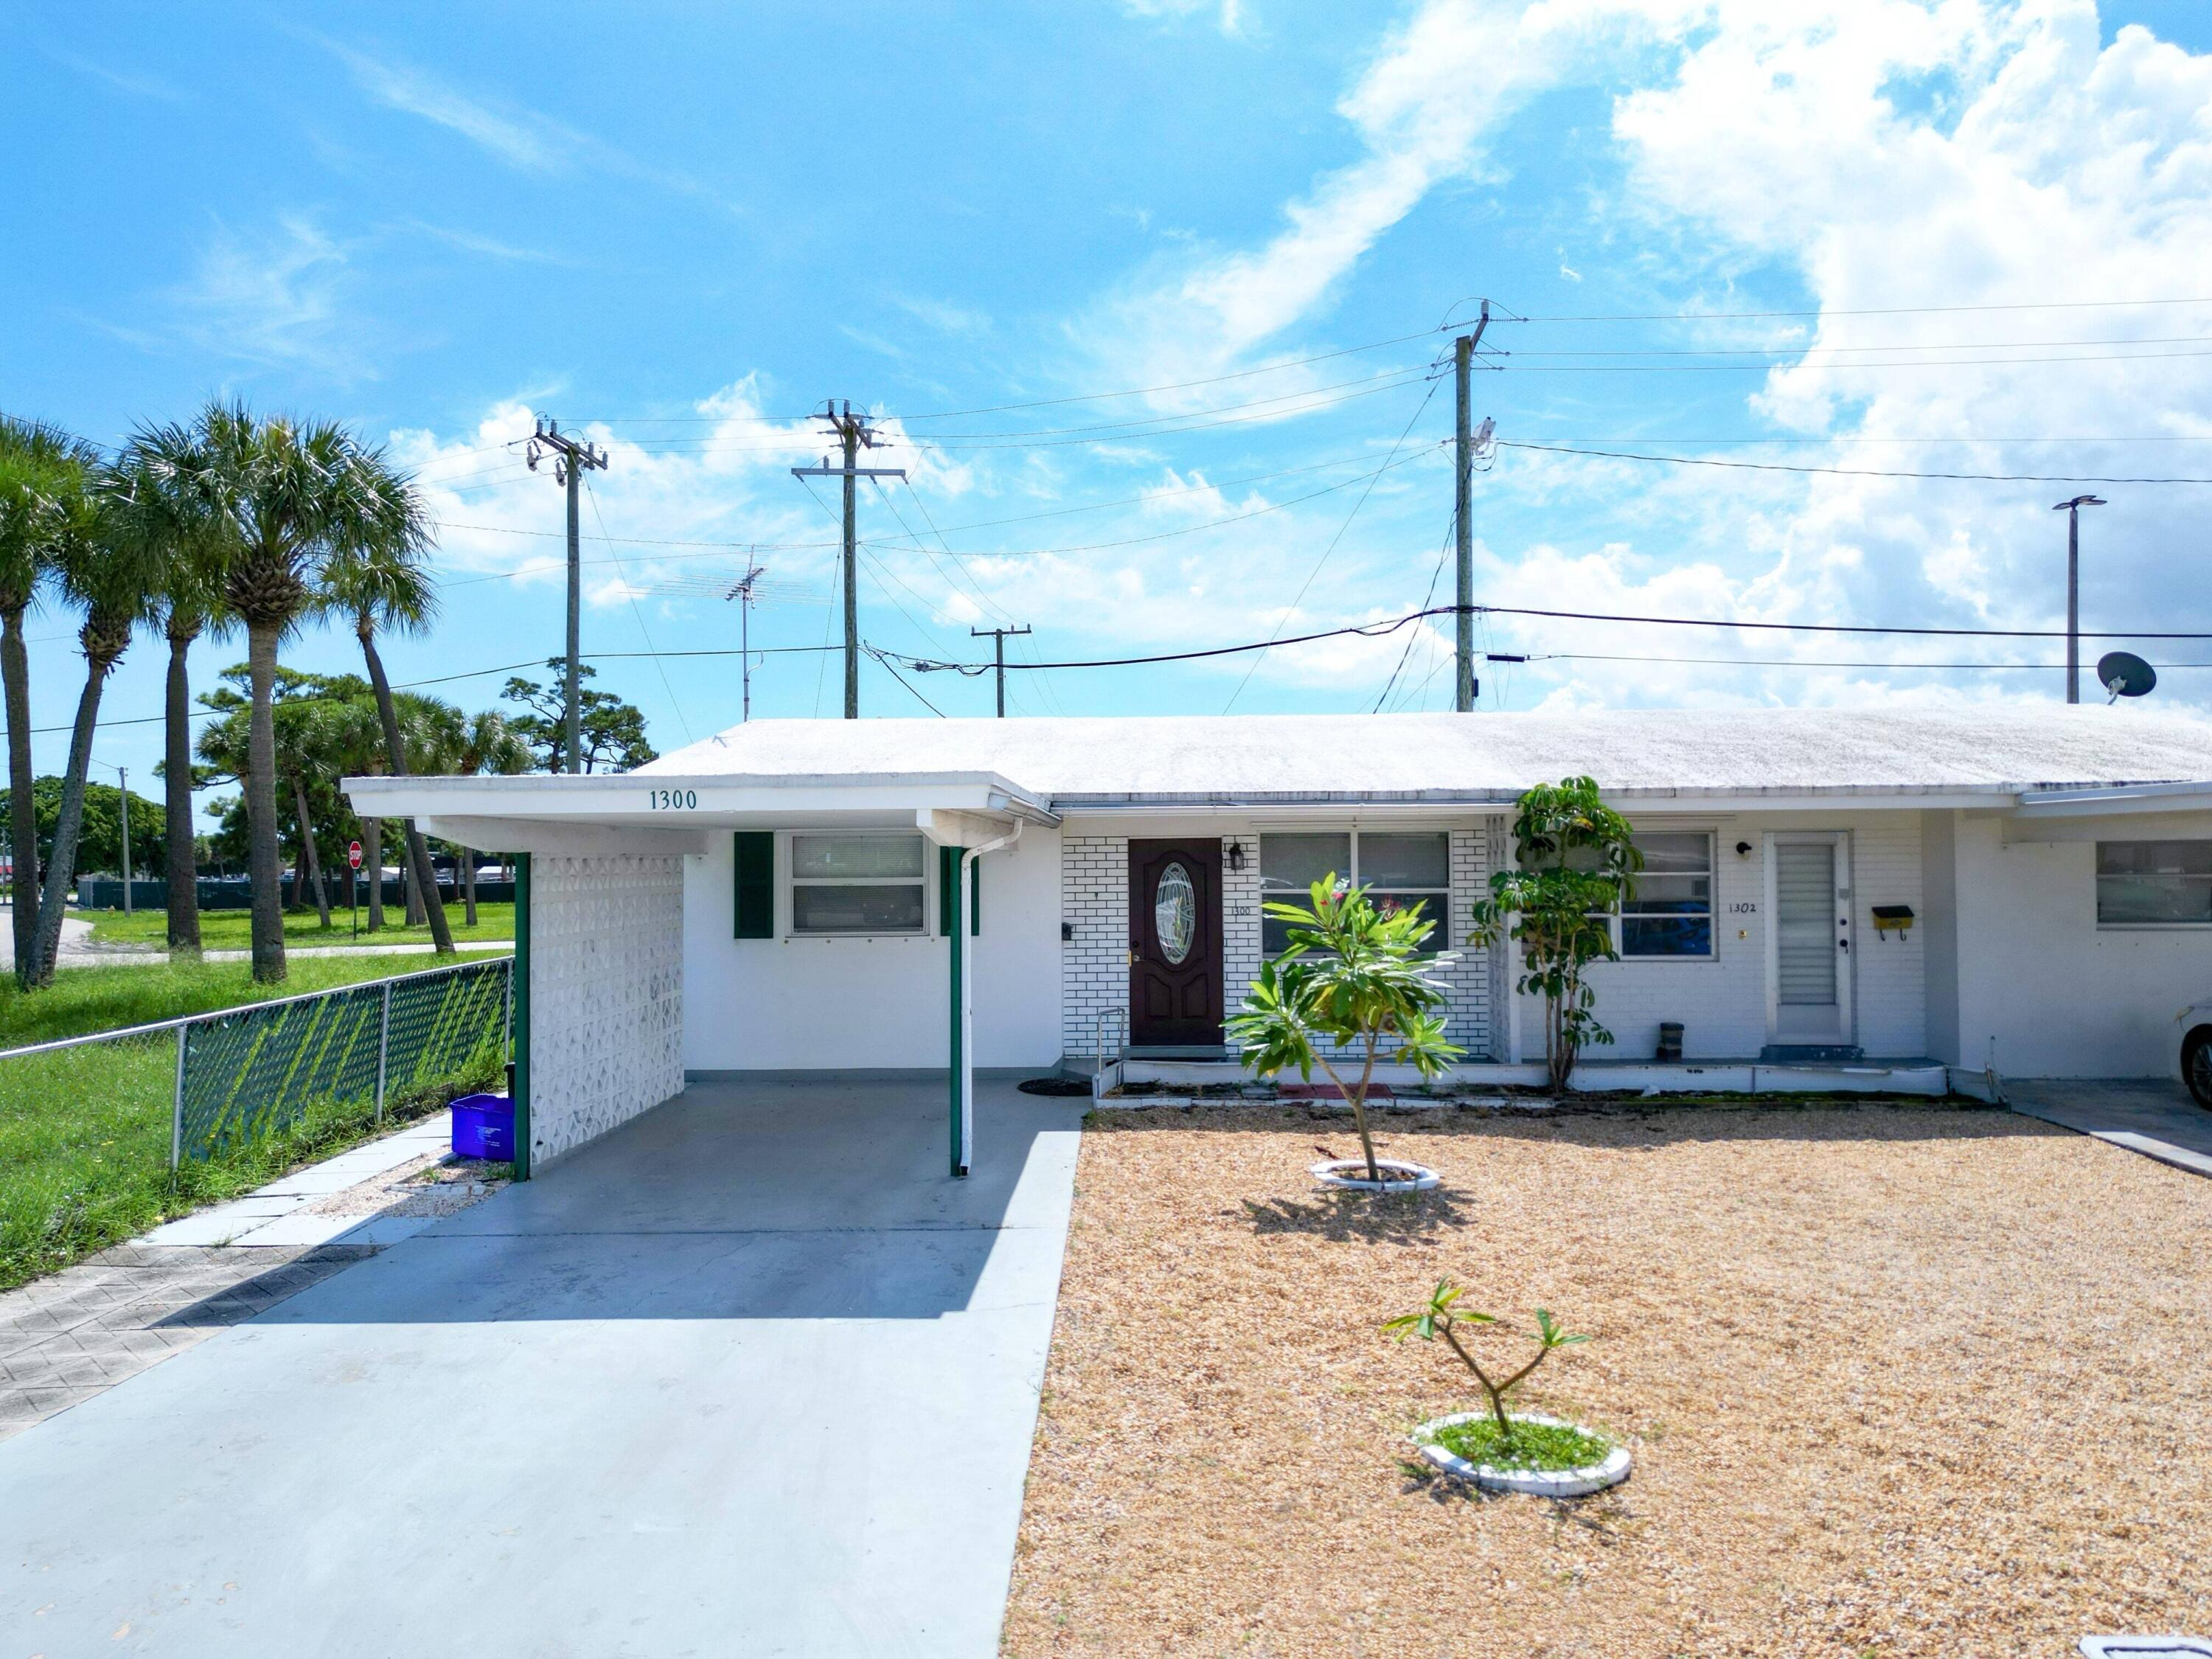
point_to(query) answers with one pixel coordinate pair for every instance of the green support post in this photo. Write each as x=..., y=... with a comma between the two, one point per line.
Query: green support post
x=949, y=870
x=521, y=971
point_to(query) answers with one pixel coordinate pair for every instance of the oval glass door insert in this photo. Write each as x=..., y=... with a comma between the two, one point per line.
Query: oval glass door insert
x=1174, y=913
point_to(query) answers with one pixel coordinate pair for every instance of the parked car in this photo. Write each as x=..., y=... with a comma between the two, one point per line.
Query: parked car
x=2196, y=1023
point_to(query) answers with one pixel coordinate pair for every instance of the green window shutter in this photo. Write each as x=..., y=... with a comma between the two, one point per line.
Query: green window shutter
x=756, y=883
x=948, y=870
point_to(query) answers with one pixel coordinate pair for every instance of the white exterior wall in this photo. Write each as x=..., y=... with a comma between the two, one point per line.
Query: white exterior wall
x=2061, y=996
x=606, y=993
x=792, y=1004
x=1095, y=900
x=1721, y=999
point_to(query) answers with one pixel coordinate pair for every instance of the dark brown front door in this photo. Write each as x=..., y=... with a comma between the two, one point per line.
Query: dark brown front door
x=1174, y=944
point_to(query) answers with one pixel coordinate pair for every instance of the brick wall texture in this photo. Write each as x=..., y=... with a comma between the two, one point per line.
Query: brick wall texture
x=1095, y=903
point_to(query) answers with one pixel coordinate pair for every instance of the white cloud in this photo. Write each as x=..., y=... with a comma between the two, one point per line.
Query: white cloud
x=1881, y=154
x=1229, y=15
x=518, y=137
x=276, y=299
x=522, y=138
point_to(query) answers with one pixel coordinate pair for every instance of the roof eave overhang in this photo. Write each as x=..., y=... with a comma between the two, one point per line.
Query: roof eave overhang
x=671, y=800
x=1408, y=802
x=2109, y=799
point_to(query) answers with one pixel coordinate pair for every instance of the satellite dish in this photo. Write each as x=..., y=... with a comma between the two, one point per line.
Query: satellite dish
x=2124, y=674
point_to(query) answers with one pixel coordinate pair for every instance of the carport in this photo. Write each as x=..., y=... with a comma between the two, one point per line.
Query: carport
x=745, y=1375
x=601, y=912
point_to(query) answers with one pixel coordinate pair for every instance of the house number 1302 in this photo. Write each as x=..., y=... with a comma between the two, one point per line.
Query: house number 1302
x=667, y=800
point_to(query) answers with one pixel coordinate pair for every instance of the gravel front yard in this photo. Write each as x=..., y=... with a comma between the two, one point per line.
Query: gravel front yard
x=1899, y=1380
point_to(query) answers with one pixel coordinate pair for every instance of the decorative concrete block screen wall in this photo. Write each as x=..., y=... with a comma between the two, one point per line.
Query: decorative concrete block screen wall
x=606, y=993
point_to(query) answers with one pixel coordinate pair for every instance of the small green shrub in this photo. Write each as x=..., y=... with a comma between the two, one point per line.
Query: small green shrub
x=1442, y=1316
x=1352, y=976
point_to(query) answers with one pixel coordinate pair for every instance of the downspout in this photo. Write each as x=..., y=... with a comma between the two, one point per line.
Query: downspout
x=964, y=1059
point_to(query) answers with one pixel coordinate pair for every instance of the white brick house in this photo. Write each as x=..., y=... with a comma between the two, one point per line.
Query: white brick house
x=2029, y=888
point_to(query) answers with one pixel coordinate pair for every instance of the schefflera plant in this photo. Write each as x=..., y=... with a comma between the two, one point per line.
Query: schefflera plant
x=1442, y=1316
x=1350, y=976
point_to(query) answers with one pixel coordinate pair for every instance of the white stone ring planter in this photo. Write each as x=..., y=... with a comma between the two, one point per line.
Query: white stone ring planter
x=1544, y=1483
x=1350, y=1175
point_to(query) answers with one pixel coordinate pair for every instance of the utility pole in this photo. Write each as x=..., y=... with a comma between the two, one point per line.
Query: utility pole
x=854, y=433
x=999, y=635
x=1462, y=364
x=122, y=806
x=2073, y=511
x=571, y=460
x=743, y=593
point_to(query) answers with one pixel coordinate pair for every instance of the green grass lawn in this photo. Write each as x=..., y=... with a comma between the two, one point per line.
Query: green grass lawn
x=84, y=1150
x=86, y=999
x=84, y=1132
x=233, y=930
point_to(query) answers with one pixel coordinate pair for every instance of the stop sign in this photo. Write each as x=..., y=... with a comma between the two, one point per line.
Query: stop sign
x=353, y=853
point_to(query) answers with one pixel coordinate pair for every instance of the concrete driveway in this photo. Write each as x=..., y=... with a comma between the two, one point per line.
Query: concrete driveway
x=2151, y=1116
x=750, y=1376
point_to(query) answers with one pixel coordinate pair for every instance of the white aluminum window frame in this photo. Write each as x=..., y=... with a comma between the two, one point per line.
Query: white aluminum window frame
x=788, y=882
x=1712, y=953
x=2097, y=878
x=1439, y=913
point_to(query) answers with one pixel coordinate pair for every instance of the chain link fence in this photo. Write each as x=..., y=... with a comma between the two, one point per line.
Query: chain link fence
x=231, y=1076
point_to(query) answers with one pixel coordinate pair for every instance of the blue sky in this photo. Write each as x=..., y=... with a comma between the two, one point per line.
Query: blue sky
x=680, y=228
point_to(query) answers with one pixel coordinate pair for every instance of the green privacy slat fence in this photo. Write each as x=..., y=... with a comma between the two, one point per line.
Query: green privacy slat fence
x=244, y=1071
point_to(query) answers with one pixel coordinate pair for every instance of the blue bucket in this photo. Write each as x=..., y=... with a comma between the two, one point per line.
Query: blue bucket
x=483, y=1126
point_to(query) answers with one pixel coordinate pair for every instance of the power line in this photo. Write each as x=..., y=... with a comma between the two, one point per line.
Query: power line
x=1850, y=471
x=1807, y=662
x=1073, y=397
x=629, y=592
x=1803, y=349
x=1443, y=552
x=1388, y=461
x=884, y=658
x=1833, y=627
x=1865, y=311
x=1837, y=369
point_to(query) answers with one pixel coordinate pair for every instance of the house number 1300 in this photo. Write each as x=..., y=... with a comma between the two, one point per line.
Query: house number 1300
x=665, y=800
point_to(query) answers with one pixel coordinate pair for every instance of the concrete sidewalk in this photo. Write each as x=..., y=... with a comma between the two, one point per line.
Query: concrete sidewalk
x=74, y=1334
x=752, y=1375
x=2152, y=1116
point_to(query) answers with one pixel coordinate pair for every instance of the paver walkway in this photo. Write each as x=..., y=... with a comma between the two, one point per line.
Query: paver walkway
x=2152, y=1116
x=750, y=1376
x=74, y=1334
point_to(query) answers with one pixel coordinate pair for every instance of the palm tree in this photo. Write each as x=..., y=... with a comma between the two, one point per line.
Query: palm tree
x=156, y=499
x=115, y=575
x=489, y=744
x=41, y=467
x=287, y=495
x=375, y=579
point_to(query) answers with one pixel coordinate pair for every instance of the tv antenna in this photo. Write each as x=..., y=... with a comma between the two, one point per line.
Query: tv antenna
x=743, y=593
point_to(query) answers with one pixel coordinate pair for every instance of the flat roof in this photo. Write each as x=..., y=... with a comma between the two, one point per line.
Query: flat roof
x=1993, y=749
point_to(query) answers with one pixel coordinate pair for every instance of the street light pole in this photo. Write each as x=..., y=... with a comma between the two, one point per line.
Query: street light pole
x=2073, y=511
